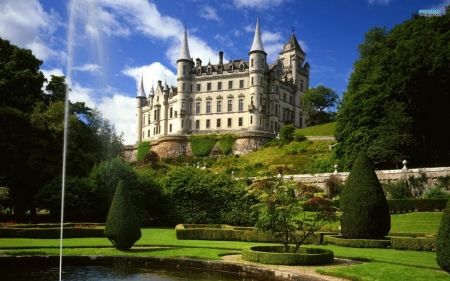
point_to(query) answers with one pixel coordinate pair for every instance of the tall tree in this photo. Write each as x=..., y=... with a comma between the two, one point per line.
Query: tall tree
x=316, y=104
x=397, y=98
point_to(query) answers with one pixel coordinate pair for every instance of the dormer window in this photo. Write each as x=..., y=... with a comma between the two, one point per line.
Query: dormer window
x=209, y=70
x=230, y=68
x=198, y=71
x=242, y=67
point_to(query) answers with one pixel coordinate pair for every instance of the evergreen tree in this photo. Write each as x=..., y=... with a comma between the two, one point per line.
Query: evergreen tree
x=122, y=226
x=364, y=206
x=443, y=241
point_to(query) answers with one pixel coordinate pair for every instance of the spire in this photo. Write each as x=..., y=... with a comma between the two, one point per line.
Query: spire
x=166, y=88
x=257, y=42
x=152, y=91
x=141, y=93
x=184, y=54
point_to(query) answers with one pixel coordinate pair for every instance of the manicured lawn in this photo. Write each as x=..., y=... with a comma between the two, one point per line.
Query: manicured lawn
x=427, y=222
x=319, y=130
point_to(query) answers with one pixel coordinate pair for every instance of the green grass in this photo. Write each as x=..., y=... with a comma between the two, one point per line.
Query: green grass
x=426, y=222
x=319, y=130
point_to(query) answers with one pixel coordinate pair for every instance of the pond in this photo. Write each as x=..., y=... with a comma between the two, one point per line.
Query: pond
x=103, y=273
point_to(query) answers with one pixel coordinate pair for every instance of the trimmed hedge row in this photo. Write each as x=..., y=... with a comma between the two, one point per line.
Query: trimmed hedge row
x=416, y=204
x=237, y=235
x=338, y=240
x=51, y=233
x=414, y=244
x=276, y=255
x=53, y=225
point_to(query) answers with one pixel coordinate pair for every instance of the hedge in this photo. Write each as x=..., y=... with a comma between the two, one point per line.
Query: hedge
x=53, y=225
x=202, y=145
x=338, y=240
x=416, y=204
x=143, y=149
x=228, y=233
x=51, y=233
x=276, y=255
x=226, y=143
x=414, y=244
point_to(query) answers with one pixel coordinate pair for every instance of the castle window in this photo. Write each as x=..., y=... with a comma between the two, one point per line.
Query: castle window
x=251, y=62
x=241, y=105
x=197, y=107
x=290, y=99
x=198, y=71
x=190, y=108
x=230, y=84
x=251, y=119
x=182, y=123
x=154, y=131
x=191, y=88
x=241, y=84
x=252, y=80
x=184, y=87
x=273, y=89
x=197, y=124
x=271, y=108
x=284, y=96
x=148, y=133
x=301, y=121
x=149, y=118
x=208, y=86
x=143, y=121
x=230, y=105
x=219, y=86
x=208, y=123
x=209, y=70
x=251, y=100
x=229, y=122
x=184, y=69
x=276, y=126
x=171, y=112
x=190, y=125
x=218, y=123
x=276, y=89
x=208, y=107
x=183, y=106
x=271, y=125
x=240, y=121
x=242, y=67
x=276, y=110
x=170, y=128
x=198, y=87
x=219, y=106
x=230, y=68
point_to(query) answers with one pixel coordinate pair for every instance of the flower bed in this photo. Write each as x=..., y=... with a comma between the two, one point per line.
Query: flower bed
x=276, y=255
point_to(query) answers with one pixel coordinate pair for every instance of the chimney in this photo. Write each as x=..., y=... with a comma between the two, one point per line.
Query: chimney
x=220, y=58
x=160, y=83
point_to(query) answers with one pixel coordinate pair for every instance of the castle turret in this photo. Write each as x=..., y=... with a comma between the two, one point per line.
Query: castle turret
x=184, y=67
x=140, y=102
x=257, y=66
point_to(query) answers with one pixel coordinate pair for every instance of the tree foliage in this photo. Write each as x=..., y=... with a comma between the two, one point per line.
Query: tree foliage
x=316, y=104
x=287, y=132
x=443, y=241
x=365, y=210
x=398, y=96
x=280, y=208
x=122, y=225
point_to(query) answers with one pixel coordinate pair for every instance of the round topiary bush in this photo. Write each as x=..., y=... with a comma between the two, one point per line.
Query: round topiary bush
x=443, y=241
x=364, y=206
x=276, y=255
x=122, y=225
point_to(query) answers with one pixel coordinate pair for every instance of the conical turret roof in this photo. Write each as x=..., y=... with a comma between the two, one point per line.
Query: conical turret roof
x=257, y=42
x=141, y=93
x=184, y=54
x=152, y=92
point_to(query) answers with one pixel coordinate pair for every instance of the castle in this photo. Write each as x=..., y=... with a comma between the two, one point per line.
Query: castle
x=251, y=99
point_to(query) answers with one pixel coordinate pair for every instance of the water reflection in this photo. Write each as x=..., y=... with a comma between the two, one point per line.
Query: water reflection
x=103, y=273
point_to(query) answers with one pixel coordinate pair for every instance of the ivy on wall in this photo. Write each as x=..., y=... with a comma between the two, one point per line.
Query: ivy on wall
x=202, y=145
x=143, y=149
x=226, y=143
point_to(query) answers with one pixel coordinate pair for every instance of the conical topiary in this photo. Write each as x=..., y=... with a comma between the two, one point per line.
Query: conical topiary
x=122, y=226
x=364, y=206
x=443, y=241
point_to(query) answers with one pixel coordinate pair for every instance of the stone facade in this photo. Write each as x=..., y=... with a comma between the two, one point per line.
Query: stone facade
x=249, y=98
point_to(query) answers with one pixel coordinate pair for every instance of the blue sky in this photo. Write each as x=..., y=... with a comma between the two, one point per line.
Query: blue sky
x=116, y=41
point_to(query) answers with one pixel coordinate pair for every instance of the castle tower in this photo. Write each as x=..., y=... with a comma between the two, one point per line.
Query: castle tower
x=257, y=62
x=140, y=102
x=184, y=66
x=293, y=57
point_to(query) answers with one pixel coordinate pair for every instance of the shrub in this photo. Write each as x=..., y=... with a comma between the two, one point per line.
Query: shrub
x=298, y=136
x=436, y=193
x=443, y=241
x=413, y=244
x=364, y=206
x=151, y=157
x=417, y=185
x=333, y=186
x=275, y=255
x=143, y=149
x=416, y=204
x=356, y=243
x=287, y=132
x=226, y=143
x=397, y=190
x=122, y=226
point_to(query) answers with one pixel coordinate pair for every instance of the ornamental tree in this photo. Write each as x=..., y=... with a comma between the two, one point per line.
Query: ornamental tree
x=443, y=241
x=122, y=225
x=280, y=210
x=364, y=206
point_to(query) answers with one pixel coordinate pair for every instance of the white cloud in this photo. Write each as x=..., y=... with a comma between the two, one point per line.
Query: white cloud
x=224, y=40
x=440, y=6
x=92, y=68
x=209, y=13
x=260, y=4
x=379, y=2
x=152, y=73
x=250, y=28
x=273, y=44
x=27, y=25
